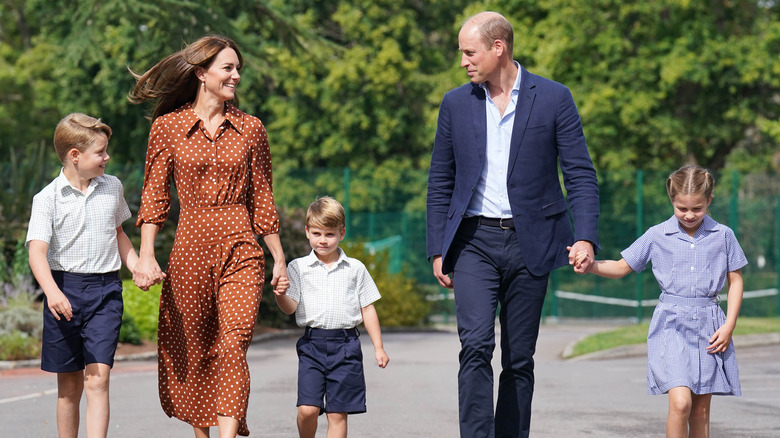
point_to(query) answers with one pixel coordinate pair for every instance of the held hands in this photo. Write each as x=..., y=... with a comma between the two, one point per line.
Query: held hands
x=721, y=339
x=147, y=273
x=279, y=273
x=281, y=286
x=581, y=256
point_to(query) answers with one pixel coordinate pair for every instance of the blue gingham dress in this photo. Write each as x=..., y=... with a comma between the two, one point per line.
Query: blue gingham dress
x=691, y=271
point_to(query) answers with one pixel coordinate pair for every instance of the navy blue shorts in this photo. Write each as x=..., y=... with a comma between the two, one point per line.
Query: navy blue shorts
x=330, y=371
x=92, y=334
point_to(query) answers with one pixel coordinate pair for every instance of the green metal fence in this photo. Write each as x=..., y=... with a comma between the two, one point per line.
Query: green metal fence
x=393, y=220
x=631, y=202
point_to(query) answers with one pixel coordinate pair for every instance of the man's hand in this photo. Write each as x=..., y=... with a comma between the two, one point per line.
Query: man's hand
x=444, y=280
x=581, y=264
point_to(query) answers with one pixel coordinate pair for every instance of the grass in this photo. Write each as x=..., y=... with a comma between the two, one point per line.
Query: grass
x=637, y=334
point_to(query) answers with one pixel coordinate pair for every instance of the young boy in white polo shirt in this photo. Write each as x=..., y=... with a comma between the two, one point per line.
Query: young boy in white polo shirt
x=330, y=294
x=76, y=245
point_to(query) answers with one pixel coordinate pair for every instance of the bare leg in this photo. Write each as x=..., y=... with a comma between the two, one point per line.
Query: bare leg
x=700, y=416
x=337, y=425
x=307, y=421
x=679, y=412
x=96, y=379
x=228, y=426
x=201, y=432
x=70, y=386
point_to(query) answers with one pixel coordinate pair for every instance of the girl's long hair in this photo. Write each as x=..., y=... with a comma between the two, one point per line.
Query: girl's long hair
x=173, y=81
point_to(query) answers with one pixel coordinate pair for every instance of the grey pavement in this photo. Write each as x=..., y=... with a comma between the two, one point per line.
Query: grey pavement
x=416, y=396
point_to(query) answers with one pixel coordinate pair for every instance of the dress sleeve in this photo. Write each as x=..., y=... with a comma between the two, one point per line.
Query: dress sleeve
x=734, y=253
x=260, y=197
x=158, y=170
x=638, y=254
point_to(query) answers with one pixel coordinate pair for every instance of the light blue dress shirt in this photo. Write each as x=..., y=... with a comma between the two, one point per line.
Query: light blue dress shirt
x=490, y=195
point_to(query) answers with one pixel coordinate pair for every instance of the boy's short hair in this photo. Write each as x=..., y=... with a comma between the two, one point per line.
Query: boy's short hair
x=78, y=131
x=326, y=212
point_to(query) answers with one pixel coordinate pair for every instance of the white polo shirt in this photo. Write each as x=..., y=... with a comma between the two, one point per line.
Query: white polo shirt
x=80, y=228
x=330, y=298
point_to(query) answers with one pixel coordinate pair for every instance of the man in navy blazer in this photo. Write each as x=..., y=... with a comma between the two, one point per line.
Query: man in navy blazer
x=498, y=221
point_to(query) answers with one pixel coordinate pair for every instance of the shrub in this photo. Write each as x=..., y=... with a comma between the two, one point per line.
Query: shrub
x=18, y=345
x=403, y=301
x=129, y=332
x=21, y=319
x=21, y=322
x=142, y=309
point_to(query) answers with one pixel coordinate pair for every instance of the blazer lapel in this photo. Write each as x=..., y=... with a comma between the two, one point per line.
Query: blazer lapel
x=525, y=102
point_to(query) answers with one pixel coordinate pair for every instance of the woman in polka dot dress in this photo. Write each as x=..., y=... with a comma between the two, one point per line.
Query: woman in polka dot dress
x=220, y=162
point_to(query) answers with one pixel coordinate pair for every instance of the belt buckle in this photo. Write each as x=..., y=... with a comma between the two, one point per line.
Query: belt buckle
x=501, y=224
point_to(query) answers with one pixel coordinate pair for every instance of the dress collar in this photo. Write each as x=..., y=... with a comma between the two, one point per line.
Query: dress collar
x=672, y=225
x=233, y=116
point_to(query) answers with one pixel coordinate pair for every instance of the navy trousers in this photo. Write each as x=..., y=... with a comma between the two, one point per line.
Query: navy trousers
x=489, y=271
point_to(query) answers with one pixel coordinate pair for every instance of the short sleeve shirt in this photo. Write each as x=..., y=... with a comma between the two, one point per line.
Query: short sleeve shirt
x=330, y=298
x=691, y=267
x=79, y=227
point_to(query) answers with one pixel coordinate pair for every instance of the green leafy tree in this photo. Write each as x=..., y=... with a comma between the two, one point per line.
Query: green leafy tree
x=663, y=83
x=362, y=100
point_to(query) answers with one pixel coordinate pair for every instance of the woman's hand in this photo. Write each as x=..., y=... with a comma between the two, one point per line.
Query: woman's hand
x=147, y=273
x=279, y=273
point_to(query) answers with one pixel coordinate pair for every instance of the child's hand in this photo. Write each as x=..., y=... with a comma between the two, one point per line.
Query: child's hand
x=147, y=273
x=59, y=305
x=281, y=286
x=577, y=260
x=721, y=339
x=381, y=358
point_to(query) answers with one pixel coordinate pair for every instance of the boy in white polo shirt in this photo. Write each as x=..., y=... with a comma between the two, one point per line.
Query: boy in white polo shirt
x=330, y=294
x=76, y=245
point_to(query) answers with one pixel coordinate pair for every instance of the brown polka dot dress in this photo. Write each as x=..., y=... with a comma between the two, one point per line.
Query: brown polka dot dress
x=210, y=297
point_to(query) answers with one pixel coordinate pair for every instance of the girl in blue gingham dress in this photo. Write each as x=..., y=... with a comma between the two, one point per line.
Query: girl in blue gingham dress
x=689, y=348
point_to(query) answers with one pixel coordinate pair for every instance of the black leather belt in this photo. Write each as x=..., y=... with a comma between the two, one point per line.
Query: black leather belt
x=503, y=223
x=311, y=332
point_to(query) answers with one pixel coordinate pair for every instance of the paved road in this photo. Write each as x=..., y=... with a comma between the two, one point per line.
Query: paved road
x=415, y=396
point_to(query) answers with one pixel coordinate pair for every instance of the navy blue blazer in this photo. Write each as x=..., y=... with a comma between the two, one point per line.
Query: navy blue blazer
x=547, y=131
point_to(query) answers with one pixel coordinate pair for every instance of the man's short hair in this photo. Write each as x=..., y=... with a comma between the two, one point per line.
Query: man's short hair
x=493, y=26
x=326, y=212
x=78, y=131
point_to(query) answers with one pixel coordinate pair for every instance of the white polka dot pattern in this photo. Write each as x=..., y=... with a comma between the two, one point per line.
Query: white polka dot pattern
x=210, y=297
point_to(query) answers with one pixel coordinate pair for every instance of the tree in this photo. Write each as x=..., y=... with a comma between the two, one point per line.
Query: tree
x=663, y=83
x=366, y=100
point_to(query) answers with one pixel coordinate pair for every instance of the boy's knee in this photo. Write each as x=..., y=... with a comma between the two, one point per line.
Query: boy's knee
x=307, y=412
x=337, y=418
x=70, y=385
x=96, y=379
